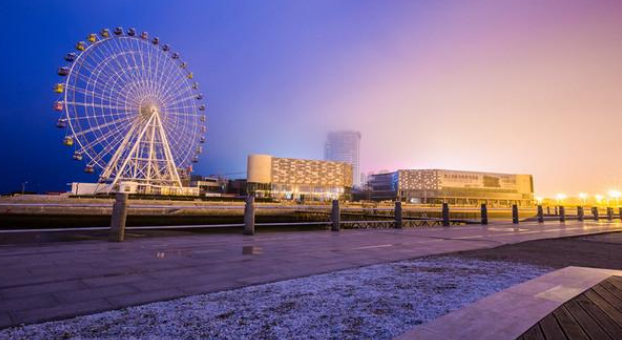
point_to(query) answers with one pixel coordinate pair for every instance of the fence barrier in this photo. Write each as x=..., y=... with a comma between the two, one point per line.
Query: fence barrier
x=484, y=214
x=249, y=216
x=383, y=217
x=119, y=218
x=541, y=214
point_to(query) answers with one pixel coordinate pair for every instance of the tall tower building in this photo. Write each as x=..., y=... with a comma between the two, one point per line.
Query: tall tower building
x=345, y=146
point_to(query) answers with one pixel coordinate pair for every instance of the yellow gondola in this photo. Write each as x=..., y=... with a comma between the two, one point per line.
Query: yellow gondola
x=68, y=141
x=80, y=46
x=105, y=33
x=190, y=75
x=92, y=38
x=59, y=88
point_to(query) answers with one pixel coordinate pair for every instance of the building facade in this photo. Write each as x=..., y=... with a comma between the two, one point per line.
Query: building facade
x=452, y=186
x=345, y=146
x=208, y=186
x=298, y=179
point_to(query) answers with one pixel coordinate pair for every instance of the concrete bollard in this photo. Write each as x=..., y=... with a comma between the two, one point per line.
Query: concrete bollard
x=580, y=213
x=556, y=211
x=562, y=214
x=119, y=217
x=610, y=213
x=445, y=214
x=335, y=216
x=540, y=214
x=249, y=215
x=548, y=211
x=484, y=214
x=398, y=215
x=595, y=213
x=514, y=213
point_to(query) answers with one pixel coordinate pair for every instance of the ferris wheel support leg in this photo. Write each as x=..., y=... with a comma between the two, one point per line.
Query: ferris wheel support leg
x=114, y=161
x=170, y=163
x=133, y=151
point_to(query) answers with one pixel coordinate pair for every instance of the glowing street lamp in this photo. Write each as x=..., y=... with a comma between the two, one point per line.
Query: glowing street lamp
x=599, y=198
x=615, y=194
x=583, y=197
x=539, y=199
x=560, y=198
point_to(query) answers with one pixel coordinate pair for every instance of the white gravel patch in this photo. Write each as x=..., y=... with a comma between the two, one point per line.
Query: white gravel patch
x=374, y=302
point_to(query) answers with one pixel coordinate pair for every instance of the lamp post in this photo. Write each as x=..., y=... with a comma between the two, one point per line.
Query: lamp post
x=583, y=197
x=24, y=186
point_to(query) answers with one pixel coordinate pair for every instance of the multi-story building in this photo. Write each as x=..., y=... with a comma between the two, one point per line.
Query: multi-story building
x=345, y=146
x=452, y=186
x=298, y=179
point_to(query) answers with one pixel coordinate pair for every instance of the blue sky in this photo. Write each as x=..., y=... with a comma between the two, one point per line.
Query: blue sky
x=253, y=60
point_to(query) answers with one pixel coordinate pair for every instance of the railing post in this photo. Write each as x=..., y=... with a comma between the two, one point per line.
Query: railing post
x=445, y=214
x=249, y=215
x=335, y=216
x=620, y=212
x=548, y=211
x=540, y=214
x=562, y=214
x=580, y=213
x=119, y=217
x=556, y=211
x=398, y=215
x=514, y=213
x=610, y=213
x=595, y=213
x=484, y=214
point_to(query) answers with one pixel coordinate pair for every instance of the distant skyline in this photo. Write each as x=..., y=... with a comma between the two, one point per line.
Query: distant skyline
x=514, y=86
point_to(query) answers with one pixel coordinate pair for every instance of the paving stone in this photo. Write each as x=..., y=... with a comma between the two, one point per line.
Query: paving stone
x=76, y=296
x=37, y=289
x=29, y=302
x=61, y=311
x=5, y=320
x=112, y=280
x=144, y=297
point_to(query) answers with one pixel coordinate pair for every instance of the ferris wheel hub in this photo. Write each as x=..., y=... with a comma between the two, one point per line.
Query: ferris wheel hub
x=146, y=111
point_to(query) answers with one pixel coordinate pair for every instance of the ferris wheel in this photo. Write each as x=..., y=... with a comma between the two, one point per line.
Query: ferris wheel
x=131, y=109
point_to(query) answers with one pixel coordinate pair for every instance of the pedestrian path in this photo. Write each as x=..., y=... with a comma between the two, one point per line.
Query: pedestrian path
x=59, y=280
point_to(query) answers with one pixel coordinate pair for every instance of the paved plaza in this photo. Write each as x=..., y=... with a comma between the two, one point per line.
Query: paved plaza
x=59, y=280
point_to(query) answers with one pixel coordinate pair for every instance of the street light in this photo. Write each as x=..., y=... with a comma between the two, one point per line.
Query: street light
x=539, y=199
x=615, y=194
x=583, y=197
x=560, y=198
x=24, y=187
x=599, y=198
